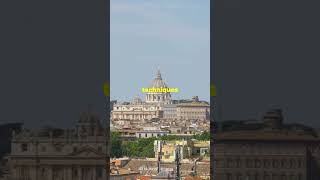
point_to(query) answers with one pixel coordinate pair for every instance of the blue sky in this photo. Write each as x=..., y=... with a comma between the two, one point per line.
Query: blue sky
x=172, y=35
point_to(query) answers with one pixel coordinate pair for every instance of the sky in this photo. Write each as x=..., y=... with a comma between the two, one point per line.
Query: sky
x=170, y=35
x=268, y=60
x=52, y=63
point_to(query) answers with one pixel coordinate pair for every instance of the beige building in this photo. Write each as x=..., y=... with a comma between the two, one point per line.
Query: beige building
x=119, y=173
x=158, y=97
x=136, y=111
x=159, y=105
x=257, y=156
x=54, y=154
x=194, y=110
x=188, y=149
x=272, y=151
x=139, y=110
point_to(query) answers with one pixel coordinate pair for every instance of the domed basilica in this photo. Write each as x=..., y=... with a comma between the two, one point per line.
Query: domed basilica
x=158, y=97
x=157, y=106
x=148, y=109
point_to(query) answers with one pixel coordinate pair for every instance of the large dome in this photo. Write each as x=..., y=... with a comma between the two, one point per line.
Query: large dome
x=158, y=97
x=158, y=82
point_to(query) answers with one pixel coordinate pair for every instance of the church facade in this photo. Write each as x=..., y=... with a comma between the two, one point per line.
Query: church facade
x=139, y=110
x=55, y=154
x=159, y=105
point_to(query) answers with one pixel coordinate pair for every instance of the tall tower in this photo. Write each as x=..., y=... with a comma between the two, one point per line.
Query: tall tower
x=158, y=97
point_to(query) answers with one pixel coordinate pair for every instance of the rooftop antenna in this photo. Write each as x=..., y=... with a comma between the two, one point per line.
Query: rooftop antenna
x=159, y=156
x=178, y=163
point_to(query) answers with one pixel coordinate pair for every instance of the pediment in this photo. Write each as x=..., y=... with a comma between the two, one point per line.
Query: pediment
x=87, y=151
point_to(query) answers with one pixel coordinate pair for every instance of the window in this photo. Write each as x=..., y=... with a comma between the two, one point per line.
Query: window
x=99, y=172
x=229, y=176
x=24, y=147
x=249, y=163
x=239, y=176
x=291, y=163
x=229, y=163
x=257, y=163
x=299, y=164
x=43, y=172
x=43, y=148
x=74, y=172
x=283, y=163
x=145, y=135
x=100, y=149
x=275, y=164
x=238, y=163
x=58, y=148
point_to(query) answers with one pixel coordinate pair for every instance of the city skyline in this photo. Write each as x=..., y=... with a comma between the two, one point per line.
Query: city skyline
x=142, y=95
x=165, y=35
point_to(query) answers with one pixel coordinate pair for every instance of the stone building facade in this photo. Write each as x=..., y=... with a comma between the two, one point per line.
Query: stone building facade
x=151, y=133
x=256, y=160
x=158, y=97
x=159, y=105
x=55, y=154
x=136, y=111
x=194, y=110
x=269, y=150
x=140, y=110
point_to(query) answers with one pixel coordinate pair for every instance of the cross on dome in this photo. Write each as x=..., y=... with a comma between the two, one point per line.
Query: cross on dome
x=158, y=74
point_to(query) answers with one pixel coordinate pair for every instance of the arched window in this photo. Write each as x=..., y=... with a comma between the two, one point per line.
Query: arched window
x=239, y=176
x=257, y=163
x=43, y=148
x=299, y=163
x=275, y=163
x=266, y=177
x=266, y=163
x=283, y=177
x=58, y=148
x=43, y=172
x=238, y=163
x=24, y=147
x=229, y=176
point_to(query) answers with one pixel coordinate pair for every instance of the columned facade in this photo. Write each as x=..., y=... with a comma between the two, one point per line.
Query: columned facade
x=56, y=154
x=158, y=97
x=256, y=160
x=139, y=110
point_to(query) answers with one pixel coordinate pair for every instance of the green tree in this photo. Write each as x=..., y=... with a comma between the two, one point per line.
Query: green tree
x=205, y=136
x=116, y=145
x=170, y=138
